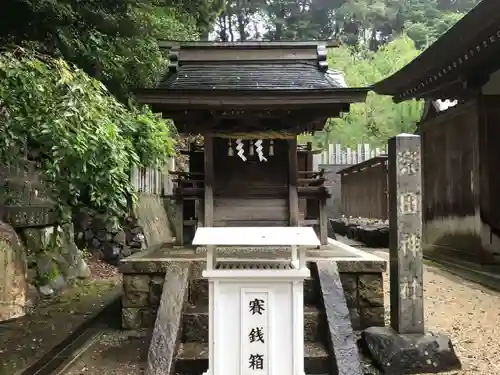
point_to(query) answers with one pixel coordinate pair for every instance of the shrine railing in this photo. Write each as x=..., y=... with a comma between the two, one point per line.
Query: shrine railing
x=310, y=184
x=188, y=184
x=364, y=189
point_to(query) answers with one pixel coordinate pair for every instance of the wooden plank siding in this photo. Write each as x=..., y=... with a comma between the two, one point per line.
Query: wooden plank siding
x=364, y=189
x=451, y=183
x=251, y=193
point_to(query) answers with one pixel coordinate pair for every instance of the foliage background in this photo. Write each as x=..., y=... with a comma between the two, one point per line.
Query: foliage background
x=69, y=68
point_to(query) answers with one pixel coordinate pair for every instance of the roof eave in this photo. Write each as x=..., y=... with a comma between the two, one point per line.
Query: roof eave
x=483, y=17
x=251, y=97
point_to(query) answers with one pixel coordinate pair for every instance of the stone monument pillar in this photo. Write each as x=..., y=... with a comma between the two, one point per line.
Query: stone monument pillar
x=405, y=347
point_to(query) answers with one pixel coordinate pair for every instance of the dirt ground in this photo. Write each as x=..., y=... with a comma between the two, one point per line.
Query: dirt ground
x=24, y=341
x=114, y=353
x=467, y=312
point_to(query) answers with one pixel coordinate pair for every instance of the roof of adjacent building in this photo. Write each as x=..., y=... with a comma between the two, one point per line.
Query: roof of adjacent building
x=463, y=57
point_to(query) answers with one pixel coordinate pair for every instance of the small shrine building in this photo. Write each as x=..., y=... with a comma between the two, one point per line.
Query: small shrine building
x=249, y=101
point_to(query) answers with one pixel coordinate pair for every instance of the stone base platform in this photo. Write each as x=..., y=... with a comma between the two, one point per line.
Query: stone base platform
x=398, y=354
x=144, y=273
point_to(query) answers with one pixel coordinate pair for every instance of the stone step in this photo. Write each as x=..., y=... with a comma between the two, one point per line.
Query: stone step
x=192, y=358
x=195, y=324
x=198, y=292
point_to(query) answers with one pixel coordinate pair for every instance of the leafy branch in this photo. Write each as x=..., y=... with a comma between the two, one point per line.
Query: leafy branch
x=86, y=140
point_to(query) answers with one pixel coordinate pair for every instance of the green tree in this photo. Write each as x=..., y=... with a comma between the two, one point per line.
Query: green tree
x=113, y=41
x=85, y=140
x=379, y=118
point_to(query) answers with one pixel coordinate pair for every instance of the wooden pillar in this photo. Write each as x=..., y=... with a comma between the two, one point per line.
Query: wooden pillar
x=293, y=198
x=179, y=220
x=323, y=222
x=209, y=180
x=405, y=226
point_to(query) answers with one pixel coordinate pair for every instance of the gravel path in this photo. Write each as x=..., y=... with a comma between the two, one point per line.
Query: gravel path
x=467, y=312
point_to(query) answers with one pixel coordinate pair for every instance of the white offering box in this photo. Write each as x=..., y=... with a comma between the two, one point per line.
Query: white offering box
x=256, y=313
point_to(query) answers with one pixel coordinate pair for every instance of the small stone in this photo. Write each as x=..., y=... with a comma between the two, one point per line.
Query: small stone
x=96, y=244
x=136, y=230
x=126, y=251
x=58, y=283
x=45, y=290
x=88, y=235
x=135, y=245
x=82, y=269
x=102, y=235
x=120, y=238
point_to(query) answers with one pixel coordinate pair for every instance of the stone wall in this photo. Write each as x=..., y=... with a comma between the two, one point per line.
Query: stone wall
x=107, y=238
x=142, y=293
x=45, y=255
x=111, y=240
x=141, y=299
x=364, y=296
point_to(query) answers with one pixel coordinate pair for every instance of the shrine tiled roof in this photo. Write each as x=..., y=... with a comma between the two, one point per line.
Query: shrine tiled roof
x=213, y=76
x=252, y=76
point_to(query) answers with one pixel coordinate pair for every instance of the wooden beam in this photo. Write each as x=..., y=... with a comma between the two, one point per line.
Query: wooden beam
x=209, y=180
x=179, y=221
x=323, y=222
x=293, y=198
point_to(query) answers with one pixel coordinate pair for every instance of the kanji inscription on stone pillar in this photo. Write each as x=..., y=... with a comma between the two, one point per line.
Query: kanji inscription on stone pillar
x=405, y=222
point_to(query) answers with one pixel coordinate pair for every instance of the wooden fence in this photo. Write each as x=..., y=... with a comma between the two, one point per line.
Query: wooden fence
x=153, y=181
x=364, y=189
x=339, y=154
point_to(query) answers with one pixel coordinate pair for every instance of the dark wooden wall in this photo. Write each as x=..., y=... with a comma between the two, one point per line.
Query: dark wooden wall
x=489, y=171
x=461, y=204
x=449, y=151
x=251, y=193
x=450, y=178
x=364, y=189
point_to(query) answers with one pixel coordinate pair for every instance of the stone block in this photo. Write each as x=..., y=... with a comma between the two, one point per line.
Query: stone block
x=155, y=290
x=371, y=290
x=135, y=318
x=400, y=354
x=355, y=319
x=135, y=290
x=131, y=318
x=135, y=298
x=198, y=292
x=136, y=282
x=13, y=275
x=351, y=297
x=349, y=281
x=371, y=316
